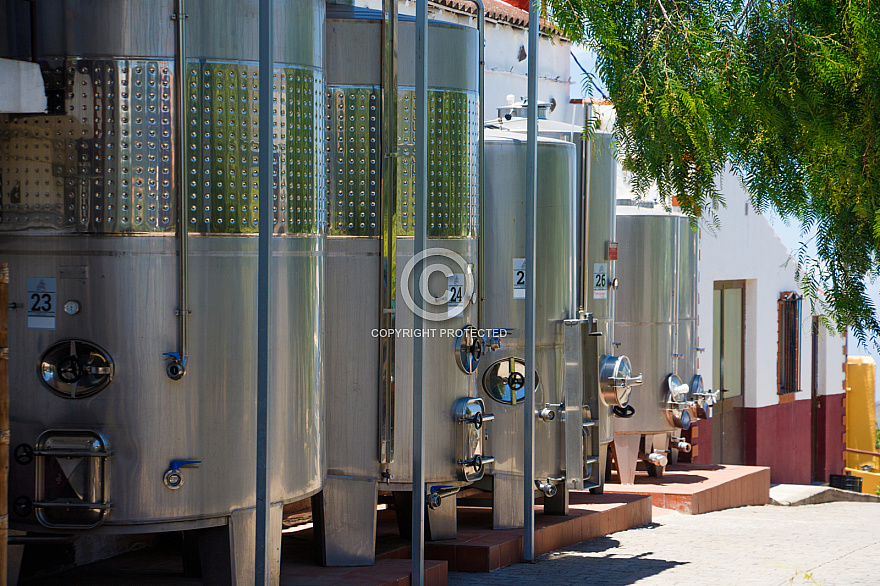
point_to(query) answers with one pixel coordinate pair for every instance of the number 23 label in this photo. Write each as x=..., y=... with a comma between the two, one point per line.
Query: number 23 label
x=41, y=303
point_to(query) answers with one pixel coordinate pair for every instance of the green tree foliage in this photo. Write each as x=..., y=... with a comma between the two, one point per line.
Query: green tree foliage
x=786, y=93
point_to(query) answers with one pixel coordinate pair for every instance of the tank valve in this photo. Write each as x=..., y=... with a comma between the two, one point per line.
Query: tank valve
x=545, y=486
x=477, y=419
x=23, y=454
x=175, y=365
x=468, y=349
x=435, y=498
x=387, y=476
x=547, y=414
x=658, y=459
x=492, y=338
x=173, y=478
x=477, y=462
x=681, y=445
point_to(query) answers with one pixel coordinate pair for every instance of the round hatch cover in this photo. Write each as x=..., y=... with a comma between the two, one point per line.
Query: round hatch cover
x=616, y=381
x=505, y=381
x=75, y=369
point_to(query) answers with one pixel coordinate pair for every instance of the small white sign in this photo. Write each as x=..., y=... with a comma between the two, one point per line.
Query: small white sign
x=519, y=278
x=41, y=303
x=600, y=280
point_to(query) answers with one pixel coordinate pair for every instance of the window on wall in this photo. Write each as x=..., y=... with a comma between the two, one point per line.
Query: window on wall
x=789, y=343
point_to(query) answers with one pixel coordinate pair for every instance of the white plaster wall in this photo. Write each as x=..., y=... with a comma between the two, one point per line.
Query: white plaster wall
x=747, y=248
x=505, y=73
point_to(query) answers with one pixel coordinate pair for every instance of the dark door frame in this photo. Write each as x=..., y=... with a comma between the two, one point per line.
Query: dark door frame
x=814, y=401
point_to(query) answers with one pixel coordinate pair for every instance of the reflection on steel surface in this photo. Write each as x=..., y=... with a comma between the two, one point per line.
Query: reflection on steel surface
x=453, y=186
x=106, y=164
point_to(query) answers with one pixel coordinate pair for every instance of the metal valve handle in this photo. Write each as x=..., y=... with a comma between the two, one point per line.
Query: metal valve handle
x=516, y=380
x=97, y=369
x=633, y=380
x=477, y=419
x=70, y=369
x=624, y=412
x=477, y=462
x=175, y=365
x=173, y=478
x=476, y=349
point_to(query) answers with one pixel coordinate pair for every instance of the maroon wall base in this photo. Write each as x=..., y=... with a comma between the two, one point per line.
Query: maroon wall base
x=831, y=436
x=778, y=436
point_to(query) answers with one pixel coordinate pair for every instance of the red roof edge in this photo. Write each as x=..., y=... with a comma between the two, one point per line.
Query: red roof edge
x=498, y=10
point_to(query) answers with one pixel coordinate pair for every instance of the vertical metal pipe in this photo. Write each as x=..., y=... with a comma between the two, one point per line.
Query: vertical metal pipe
x=585, y=184
x=33, y=17
x=531, y=211
x=676, y=296
x=182, y=229
x=388, y=235
x=612, y=265
x=481, y=27
x=421, y=240
x=264, y=281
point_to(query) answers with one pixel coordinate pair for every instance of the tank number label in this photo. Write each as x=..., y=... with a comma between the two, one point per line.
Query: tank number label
x=600, y=280
x=457, y=289
x=519, y=278
x=41, y=303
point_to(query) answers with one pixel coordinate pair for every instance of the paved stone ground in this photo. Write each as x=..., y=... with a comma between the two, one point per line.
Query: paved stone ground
x=830, y=544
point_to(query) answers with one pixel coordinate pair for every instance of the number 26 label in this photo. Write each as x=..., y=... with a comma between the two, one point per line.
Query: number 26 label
x=600, y=280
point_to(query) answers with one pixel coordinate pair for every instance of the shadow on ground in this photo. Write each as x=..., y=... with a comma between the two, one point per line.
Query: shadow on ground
x=577, y=564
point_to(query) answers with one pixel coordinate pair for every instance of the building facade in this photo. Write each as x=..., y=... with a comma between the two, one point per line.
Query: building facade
x=780, y=370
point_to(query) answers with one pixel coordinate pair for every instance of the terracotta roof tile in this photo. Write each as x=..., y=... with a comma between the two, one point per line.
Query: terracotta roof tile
x=497, y=10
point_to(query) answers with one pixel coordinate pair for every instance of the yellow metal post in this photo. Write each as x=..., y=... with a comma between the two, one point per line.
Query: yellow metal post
x=862, y=454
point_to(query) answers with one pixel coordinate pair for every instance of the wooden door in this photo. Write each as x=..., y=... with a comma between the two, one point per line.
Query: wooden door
x=728, y=325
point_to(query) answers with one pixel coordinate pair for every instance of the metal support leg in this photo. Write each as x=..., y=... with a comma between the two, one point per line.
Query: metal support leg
x=603, y=471
x=626, y=451
x=558, y=503
x=227, y=553
x=344, y=519
x=507, y=496
x=441, y=523
x=14, y=553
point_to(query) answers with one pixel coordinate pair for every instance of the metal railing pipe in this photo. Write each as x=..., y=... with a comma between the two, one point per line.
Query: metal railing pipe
x=531, y=228
x=176, y=368
x=419, y=245
x=264, y=296
x=481, y=198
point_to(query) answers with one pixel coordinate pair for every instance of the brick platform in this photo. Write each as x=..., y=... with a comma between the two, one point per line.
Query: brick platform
x=695, y=488
x=479, y=548
x=387, y=572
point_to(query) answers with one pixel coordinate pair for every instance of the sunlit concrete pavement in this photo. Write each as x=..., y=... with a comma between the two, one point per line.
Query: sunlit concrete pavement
x=830, y=544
